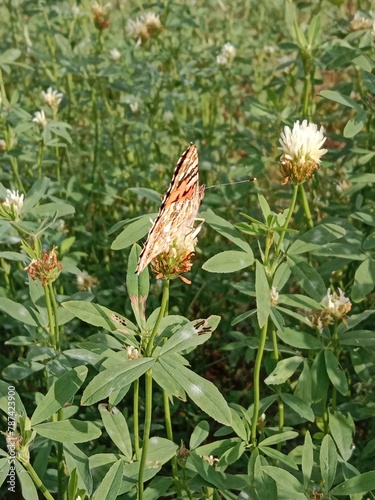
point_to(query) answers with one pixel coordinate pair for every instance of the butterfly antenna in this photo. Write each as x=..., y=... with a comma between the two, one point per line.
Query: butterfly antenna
x=252, y=179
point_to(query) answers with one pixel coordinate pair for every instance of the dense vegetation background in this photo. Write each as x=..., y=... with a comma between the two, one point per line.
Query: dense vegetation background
x=97, y=104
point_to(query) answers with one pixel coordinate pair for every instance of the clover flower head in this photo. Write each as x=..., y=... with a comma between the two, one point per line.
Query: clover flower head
x=52, y=98
x=168, y=116
x=100, y=15
x=335, y=306
x=227, y=54
x=115, y=54
x=134, y=106
x=85, y=282
x=144, y=27
x=361, y=22
x=177, y=260
x=133, y=352
x=75, y=10
x=40, y=119
x=46, y=268
x=274, y=295
x=302, y=150
x=13, y=204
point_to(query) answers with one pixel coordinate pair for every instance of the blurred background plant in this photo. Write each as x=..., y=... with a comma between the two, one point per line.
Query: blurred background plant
x=97, y=103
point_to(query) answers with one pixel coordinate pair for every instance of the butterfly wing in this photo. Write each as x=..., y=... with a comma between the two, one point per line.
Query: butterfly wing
x=178, y=209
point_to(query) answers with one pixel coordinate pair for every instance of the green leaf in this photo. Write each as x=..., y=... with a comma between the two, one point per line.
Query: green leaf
x=315, y=238
x=4, y=471
x=115, y=378
x=303, y=387
x=299, y=339
x=28, y=489
x=138, y=287
x=110, y=485
x=200, y=433
x=58, y=209
x=203, y=392
x=308, y=278
x=307, y=459
x=335, y=373
x=284, y=369
x=364, y=483
x=364, y=280
x=167, y=382
x=359, y=338
x=262, y=293
x=226, y=229
x=68, y=431
x=342, y=429
x=277, y=455
x=229, y=261
x=299, y=406
x=100, y=316
x=61, y=392
x=21, y=370
x=185, y=338
x=117, y=428
x=335, y=96
x=355, y=125
x=328, y=462
x=133, y=232
x=278, y=438
x=35, y=193
x=284, y=478
x=160, y=451
x=76, y=459
x=17, y=311
x=319, y=378
x=7, y=390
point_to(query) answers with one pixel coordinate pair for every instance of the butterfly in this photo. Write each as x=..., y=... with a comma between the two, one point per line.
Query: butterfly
x=178, y=210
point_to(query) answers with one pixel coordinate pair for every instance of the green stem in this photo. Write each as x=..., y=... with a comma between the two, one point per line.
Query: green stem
x=146, y=432
x=257, y=367
x=54, y=306
x=306, y=207
x=148, y=391
x=163, y=307
x=40, y=158
x=136, y=419
x=287, y=220
x=61, y=477
x=168, y=427
x=51, y=321
x=37, y=481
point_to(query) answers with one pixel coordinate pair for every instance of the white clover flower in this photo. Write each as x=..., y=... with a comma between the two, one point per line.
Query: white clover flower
x=75, y=10
x=26, y=35
x=361, y=22
x=85, y=282
x=303, y=143
x=40, y=119
x=134, y=106
x=337, y=304
x=3, y=145
x=52, y=98
x=168, y=116
x=269, y=49
x=274, y=295
x=99, y=10
x=144, y=26
x=221, y=60
x=227, y=54
x=302, y=150
x=14, y=203
x=115, y=54
x=133, y=352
